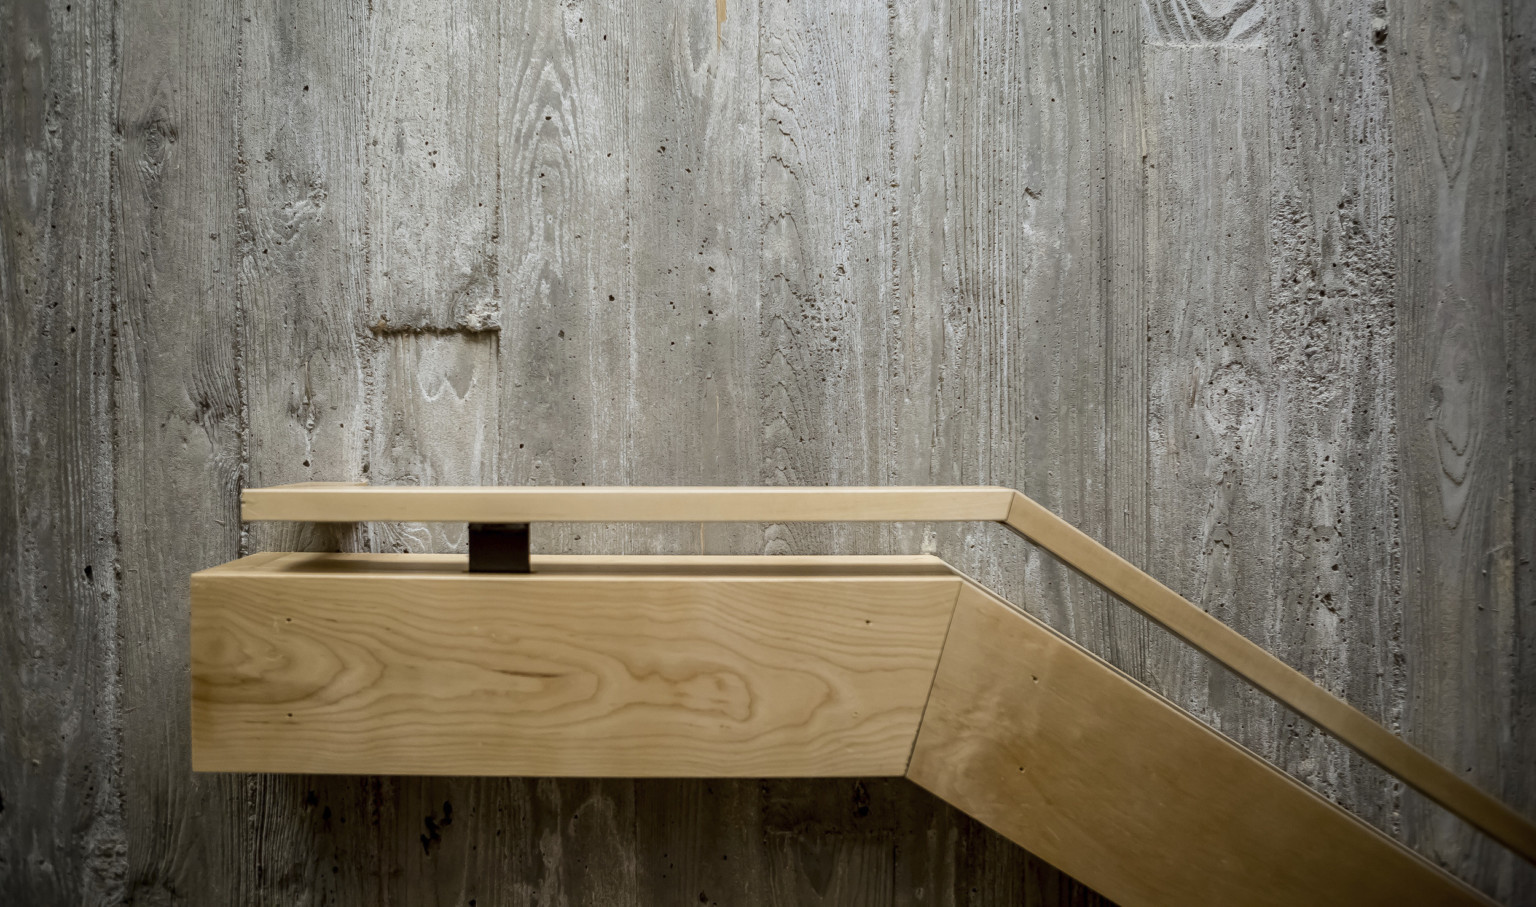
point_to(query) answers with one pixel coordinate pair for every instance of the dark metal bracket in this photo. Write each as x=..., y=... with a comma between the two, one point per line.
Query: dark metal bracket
x=498, y=548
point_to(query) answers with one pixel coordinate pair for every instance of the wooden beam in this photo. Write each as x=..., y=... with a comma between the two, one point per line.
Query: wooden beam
x=345, y=503
x=621, y=667
x=1279, y=680
x=767, y=666
x=1082, y=766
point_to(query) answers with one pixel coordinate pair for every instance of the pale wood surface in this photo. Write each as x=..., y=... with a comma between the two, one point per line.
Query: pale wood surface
x=1065, y=755
x=595, y=670
x=349, y=503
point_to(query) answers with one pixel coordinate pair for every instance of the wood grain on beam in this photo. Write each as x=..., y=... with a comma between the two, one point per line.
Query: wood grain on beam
x=1074, y=761
x=303, y=663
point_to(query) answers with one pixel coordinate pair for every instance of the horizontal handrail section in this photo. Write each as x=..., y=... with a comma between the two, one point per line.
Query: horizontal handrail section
x=346, y=503
x=339, y=502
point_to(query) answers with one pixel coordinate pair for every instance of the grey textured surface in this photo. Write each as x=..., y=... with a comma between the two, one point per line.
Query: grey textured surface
x=1246, y=288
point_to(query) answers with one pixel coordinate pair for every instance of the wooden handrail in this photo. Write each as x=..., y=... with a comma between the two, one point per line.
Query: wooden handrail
x=337, y=502
x=349, y=503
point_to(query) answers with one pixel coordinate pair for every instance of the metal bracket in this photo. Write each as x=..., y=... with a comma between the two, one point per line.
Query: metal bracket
x=498, y=548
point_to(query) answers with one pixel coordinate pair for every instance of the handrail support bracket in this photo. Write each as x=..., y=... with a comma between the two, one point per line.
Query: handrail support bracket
x=498, y=548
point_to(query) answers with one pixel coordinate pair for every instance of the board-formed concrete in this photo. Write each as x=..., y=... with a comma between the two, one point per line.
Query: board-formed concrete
x=1243, y=289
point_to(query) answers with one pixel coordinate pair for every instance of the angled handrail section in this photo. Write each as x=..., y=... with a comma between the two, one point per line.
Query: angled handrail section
x=340, y=502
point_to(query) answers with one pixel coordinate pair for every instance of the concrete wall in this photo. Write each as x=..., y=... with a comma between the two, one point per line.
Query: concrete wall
x=1246, y=288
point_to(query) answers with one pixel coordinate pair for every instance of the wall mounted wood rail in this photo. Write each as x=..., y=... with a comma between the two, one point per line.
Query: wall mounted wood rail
x=638, y=666
x=349, y=502
x=362, y=503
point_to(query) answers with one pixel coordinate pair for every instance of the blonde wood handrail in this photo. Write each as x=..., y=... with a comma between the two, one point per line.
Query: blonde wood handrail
x=339, y=502
x=350, y=503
